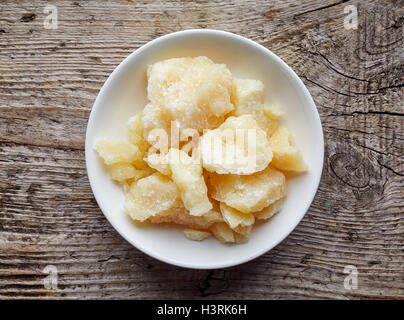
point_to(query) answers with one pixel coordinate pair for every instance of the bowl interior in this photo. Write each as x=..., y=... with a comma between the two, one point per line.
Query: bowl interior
x=124, y=94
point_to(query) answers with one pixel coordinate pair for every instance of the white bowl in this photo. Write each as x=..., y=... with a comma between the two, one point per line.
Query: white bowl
x=124, y=94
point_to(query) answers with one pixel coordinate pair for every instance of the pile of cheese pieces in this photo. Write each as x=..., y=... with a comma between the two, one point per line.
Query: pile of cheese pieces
x=206, y=198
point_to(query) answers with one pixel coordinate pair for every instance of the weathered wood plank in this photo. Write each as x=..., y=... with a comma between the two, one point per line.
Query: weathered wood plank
x=48, y=216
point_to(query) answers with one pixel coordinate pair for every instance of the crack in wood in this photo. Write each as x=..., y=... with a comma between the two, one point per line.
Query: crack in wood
x=320, y=8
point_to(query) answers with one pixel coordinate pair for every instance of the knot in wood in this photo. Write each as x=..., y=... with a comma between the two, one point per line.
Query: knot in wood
x=351, y=169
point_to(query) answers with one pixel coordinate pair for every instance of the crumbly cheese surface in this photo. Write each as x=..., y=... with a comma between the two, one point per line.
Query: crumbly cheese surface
x=206, y=152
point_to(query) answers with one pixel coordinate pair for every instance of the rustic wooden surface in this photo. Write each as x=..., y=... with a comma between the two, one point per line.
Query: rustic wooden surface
x=48, y=216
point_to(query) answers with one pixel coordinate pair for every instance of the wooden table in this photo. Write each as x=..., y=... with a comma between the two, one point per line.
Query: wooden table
x=49, y=79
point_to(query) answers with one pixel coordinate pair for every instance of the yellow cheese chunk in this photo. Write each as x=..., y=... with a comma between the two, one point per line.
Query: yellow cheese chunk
x=192, y=92
x=150, y=196
x=248, y=193
x=179, y=215
x=122, y=171
x=222, y=232
x=196, y=235
x=188, y=177
x=238, y=146
x=286, y=157
x=117, y=151
x=269, y=211
x=235, y=218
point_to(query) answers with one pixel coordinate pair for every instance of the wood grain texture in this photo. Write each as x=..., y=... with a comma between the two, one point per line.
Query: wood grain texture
x=49, y=80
